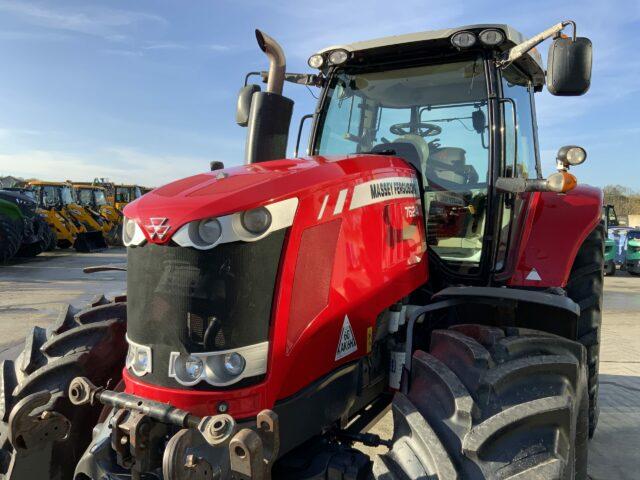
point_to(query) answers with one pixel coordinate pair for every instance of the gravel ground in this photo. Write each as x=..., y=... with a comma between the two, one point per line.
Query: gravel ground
x=32, y=291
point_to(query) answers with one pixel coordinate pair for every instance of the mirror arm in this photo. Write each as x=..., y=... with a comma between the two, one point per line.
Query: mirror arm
x=307, y=79
x=519, y=50
x=521, y=185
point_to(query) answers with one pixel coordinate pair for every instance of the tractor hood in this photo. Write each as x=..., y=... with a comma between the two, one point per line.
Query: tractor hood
x=235, y=189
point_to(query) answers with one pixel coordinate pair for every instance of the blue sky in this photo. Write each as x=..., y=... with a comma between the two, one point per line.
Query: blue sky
x=145, y=91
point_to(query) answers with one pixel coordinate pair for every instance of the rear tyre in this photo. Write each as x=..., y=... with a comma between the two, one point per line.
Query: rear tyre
x=89, y=342
x=490, y=403
x=585, y=287
x=10, y=239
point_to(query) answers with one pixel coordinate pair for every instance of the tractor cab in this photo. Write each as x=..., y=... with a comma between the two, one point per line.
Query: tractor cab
x=458, y=106
x=125, y=194
x=90, y=196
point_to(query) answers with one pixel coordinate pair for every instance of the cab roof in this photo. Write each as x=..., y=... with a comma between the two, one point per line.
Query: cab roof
x=53, y=184
x=531, y=62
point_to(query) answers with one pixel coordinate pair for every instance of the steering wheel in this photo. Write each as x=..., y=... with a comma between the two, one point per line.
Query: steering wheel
x=424, y=129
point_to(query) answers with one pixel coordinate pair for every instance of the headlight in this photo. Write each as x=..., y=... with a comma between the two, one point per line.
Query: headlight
x=139, y=359
x=129, y=229
x=338, y=57
x=463, y=39
x=131, y=233
x=315, y=61
x=206, y=232
x=248, y=226
x=256, y=221
x=219, y=368
x=234, y=363
x=491, y=37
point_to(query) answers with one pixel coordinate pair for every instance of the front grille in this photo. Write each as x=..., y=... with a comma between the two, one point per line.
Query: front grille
x=187, y=300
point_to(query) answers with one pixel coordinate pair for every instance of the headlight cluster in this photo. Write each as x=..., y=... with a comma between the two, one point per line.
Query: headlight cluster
x=219, y=368
x=247, y=226
x=139, y=359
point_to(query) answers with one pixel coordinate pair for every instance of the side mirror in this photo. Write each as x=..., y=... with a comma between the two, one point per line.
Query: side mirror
x=244, y=103
x=569, y=66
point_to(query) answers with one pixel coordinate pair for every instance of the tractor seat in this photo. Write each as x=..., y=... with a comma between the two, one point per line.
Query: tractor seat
x=411, y=148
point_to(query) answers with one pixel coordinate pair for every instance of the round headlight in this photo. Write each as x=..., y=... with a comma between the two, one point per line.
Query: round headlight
x=491, y=37
x=315, y=61
x=256, y=221
x=463, y=39
x=234, y=363
x=338, y=57
x=193, y=368
x=209, y=230
x=129, y=229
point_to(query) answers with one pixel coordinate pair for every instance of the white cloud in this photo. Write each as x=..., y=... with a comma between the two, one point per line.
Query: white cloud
x=120, y=164
x=89, y=20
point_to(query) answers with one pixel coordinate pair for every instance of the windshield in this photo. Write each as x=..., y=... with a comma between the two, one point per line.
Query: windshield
x=66, y=195
x=435, y=117
x=122, y=194
x=100, y=198
x=137, y=192
x=85, y=196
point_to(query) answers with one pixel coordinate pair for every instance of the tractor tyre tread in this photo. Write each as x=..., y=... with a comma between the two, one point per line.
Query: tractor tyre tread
x=491, y=403
x=585, y=287
x=81, y=342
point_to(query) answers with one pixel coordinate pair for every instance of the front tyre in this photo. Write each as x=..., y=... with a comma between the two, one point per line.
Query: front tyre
x=89, y=342
x=490, y=403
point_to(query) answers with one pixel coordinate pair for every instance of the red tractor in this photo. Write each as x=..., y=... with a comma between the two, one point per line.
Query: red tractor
x=416, y=259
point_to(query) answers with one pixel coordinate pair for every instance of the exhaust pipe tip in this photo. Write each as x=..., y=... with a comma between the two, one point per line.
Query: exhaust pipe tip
x=277, y=61
x=260, y=39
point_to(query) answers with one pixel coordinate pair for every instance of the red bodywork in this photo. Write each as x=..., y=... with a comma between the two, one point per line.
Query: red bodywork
x=338, y=259
x=552, y=230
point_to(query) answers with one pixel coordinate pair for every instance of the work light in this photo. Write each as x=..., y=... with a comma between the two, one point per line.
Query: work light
x=316, y=61
x=491, y=37
x=463, y=39
x=338, y=57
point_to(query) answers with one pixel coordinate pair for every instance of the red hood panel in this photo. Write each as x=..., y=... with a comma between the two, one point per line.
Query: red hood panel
x=234, y=189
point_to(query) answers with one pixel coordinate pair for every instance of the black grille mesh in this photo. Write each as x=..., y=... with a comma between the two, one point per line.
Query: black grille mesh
x=188, y=300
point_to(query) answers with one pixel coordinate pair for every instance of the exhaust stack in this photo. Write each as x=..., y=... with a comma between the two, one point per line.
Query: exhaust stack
x=277, y=62
x=270, y=114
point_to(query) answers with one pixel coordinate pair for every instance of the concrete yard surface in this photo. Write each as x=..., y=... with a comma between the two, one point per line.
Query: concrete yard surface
x=33, y=291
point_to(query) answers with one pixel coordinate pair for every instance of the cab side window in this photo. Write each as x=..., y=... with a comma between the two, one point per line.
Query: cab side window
x=523, y=132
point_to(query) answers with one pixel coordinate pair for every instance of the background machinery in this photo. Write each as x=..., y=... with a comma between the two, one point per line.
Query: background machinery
x=71, y=223
x=275, y=309
x=24, y=232
x=94, y=200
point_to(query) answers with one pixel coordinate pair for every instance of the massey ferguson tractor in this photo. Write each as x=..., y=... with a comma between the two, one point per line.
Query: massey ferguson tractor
x=416, y=259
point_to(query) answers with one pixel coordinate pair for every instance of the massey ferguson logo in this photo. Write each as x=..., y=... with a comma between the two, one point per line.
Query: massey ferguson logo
x=157, y=228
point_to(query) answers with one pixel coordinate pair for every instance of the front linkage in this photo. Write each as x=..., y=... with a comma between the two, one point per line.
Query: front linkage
x=208, y=448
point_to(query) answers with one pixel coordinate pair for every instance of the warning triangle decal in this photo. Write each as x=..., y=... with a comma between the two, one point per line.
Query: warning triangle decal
x=347, y=343
x=534, y=275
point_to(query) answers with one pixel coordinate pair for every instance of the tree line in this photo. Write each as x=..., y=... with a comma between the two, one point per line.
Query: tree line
x=625, y=200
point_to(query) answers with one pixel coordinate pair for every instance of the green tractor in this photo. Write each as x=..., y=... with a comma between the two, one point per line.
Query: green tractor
x=23, y=232
x=632, y=258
